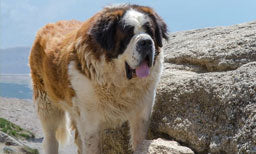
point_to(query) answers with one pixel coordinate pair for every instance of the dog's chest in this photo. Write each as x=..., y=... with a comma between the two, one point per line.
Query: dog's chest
x=108, y=100
x=110, y=104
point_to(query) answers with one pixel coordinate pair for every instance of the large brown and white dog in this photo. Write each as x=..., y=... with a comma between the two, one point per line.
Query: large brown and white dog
x=99, y=74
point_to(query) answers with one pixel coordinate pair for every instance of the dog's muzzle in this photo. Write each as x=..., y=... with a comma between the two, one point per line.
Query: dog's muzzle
x=146, y=52
x=145, y=49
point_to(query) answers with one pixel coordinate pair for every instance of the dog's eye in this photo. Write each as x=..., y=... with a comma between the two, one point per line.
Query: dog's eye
x=148, y=29
x=128, y=29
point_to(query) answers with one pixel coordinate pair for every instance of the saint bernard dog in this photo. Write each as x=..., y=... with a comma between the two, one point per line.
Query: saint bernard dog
x=97, y=74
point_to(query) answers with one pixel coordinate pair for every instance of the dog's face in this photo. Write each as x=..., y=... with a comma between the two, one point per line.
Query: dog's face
x=131, y=34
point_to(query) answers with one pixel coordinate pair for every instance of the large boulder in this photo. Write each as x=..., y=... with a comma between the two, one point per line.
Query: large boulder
x=206, y=99
x=207, y=95
x=209, y=112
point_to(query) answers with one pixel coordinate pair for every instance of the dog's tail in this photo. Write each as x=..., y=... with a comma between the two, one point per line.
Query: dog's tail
x=63, y=132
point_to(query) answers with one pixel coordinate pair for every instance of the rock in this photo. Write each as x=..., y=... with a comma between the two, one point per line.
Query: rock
x=206, y=98
x=8, y=140
x=160, y=146
x=9, y=150
x=207, y=95
x=212, y=49
x=10, y=145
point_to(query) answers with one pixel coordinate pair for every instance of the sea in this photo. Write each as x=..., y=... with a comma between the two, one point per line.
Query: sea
x=15, y=86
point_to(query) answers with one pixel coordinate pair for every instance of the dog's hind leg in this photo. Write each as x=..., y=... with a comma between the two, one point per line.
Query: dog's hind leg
x=53, y=120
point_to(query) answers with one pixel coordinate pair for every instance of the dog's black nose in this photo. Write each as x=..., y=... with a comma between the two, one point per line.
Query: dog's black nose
x=144, y=44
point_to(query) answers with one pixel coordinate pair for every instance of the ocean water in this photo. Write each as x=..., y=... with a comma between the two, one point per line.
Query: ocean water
x=13, y=90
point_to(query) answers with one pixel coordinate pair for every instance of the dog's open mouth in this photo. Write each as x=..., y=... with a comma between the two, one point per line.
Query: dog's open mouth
x=141, y=71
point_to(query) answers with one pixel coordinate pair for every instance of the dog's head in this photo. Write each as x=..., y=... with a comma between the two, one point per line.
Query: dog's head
x=129, y=33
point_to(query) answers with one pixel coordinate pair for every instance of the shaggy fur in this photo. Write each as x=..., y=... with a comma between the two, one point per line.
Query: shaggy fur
x=82, y=75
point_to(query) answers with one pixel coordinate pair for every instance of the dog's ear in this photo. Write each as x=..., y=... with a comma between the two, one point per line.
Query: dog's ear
x=160, y=31
x=104, y=30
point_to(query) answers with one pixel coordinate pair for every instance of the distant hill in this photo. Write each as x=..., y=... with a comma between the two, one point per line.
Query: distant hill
x=14, y=60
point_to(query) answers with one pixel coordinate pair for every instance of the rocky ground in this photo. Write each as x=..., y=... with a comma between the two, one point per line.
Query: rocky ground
x=205, y=103
x=22, y=113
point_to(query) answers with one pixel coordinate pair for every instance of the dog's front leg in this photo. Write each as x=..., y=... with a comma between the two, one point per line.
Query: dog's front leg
x=138, y=131
x=91, y=143
x=139, y=122
x=89, y=132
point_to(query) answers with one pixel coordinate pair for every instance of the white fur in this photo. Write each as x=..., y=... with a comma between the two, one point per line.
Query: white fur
x=112, y=6
x=81, y=84
x=136, y=19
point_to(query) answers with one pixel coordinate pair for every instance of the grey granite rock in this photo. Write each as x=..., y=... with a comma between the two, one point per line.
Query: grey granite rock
x=11, y=145
x=212, y=49
x=207, y=95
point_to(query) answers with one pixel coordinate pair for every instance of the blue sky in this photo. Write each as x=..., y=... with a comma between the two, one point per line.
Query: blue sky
x=20, y=19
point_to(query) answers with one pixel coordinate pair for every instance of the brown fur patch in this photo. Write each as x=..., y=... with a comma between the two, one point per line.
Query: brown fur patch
x=49, y=57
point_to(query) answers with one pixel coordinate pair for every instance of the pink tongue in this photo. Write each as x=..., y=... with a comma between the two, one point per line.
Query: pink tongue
x=142, y=70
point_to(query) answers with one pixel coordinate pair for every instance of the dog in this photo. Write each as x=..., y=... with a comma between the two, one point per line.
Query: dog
x=97, y=74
